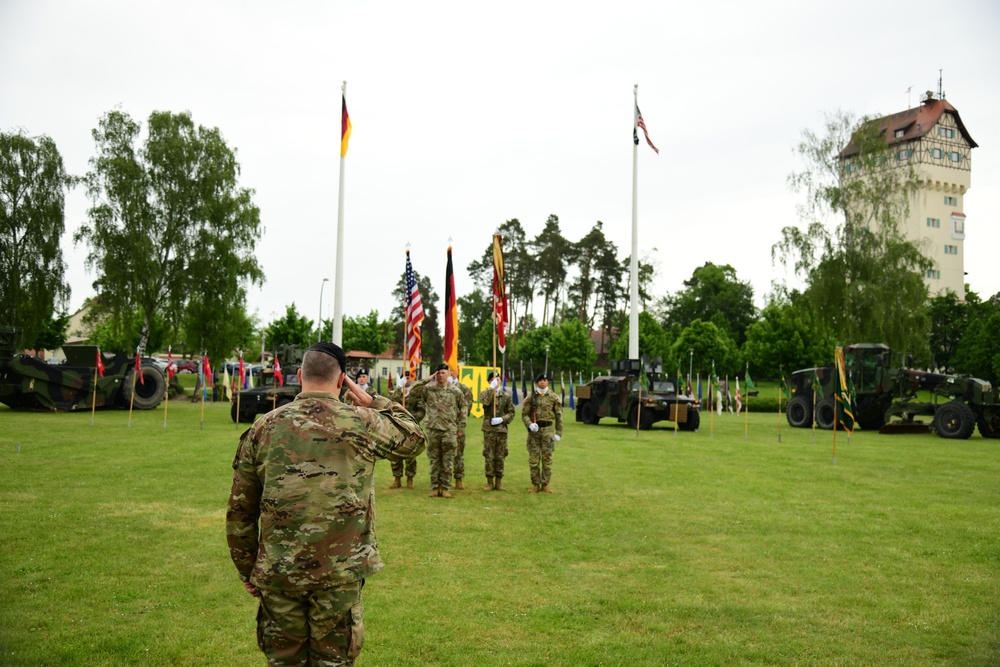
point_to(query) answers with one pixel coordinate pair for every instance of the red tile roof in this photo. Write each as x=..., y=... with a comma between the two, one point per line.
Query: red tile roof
x=915, y=123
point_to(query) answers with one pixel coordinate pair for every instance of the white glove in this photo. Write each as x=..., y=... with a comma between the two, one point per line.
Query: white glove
x=402, y=382
x=495, y=384
x=496, y=421
x=556, y=438
x=532, y=427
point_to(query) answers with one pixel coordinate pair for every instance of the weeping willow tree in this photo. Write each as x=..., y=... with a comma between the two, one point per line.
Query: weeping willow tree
x=864, y=279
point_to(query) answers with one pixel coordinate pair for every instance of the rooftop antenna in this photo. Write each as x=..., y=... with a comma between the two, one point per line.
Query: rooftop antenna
x=940, y=89
x=909, y=97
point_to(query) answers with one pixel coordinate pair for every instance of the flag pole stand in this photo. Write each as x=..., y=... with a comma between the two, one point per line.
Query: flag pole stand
x=93, y=404
x=131, y=401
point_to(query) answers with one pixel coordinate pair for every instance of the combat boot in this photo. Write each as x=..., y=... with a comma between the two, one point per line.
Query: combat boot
x=459, y=485
x=497, y=486
x=435, y=492
x=395, y=483
x=409, y=482
x=546, y=489
x=444, y=493
x=534, y=488
x=489, y=484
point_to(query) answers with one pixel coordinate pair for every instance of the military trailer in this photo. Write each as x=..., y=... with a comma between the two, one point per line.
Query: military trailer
x=31, y=384
x=619, y=395
x=267, y=396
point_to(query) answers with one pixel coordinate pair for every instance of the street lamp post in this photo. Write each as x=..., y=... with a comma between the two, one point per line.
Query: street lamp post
x=546, y=361
x=319, y=321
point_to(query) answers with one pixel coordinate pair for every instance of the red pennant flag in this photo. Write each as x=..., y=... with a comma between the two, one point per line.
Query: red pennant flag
x=279, y=379
x=207, y=370
x=100, y=364
x=450, y=317
x=500, y=315
x=171, y=366
x=243, y=376
x=138, y=367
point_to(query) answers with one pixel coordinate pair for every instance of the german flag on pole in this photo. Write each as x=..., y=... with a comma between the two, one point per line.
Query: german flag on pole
x=345, y=126
x=450, y=317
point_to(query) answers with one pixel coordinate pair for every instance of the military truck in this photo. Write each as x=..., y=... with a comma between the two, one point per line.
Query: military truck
x=618, y=395
x=31, y=384
x=249, y=403
x=886, y=397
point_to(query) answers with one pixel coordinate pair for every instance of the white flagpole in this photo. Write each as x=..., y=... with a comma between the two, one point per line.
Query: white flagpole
x=338, y=289
x=633, y=311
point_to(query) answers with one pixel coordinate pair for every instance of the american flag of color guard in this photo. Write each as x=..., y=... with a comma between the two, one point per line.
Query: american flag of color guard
x=642, y=124
x=414, y=316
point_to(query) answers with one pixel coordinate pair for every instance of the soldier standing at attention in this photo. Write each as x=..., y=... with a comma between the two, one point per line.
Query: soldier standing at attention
x=443, y=422
x=460, y=439
x=361, y=378
x=542, y=415
x=300, y=520
x=409, y=396
x=498, y=411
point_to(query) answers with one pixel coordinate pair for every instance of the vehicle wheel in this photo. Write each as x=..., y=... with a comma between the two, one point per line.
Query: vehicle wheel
x=989, y=425
x=825, y=414
x=646, y=420
x=245, y=416
x=283, y=400
x=693, y=420
x=799, y=412
x=588, y=413
x=955, y=420
x=633, y=416
x=149, y=393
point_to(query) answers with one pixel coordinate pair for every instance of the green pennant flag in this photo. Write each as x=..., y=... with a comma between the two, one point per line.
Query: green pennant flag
x=750, y=384
x=783, y=386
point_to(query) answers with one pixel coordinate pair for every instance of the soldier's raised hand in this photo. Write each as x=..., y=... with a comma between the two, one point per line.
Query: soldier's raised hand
x=360, y=396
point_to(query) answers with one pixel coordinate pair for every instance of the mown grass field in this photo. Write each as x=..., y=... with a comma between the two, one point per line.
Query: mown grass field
x=657, y=549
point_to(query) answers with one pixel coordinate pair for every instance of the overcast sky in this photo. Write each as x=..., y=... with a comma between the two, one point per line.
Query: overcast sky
x=469, y=114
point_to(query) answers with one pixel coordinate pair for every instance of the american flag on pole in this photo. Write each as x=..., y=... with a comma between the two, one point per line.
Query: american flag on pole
x=640, y=123
x=414, y=317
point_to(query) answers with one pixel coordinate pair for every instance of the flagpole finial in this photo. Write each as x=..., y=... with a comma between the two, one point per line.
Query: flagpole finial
x=449, y=241
x=407, y=246
x=343, y=88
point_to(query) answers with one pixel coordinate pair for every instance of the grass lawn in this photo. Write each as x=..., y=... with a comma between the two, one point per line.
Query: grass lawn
x=658, y=549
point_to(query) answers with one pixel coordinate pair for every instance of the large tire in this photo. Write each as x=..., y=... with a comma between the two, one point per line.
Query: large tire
x=149, y=393
x=588, y=413
x=989, y=425
x=955, y=420
x=633, y=417
x=245, y=416
x=693, y=420
x=799, y=412
x=826, y=413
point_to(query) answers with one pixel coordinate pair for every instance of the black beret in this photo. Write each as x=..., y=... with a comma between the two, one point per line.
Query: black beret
x=334, y=351
x=361, y=371
x=441, y=367
x=540, y=377
x=489, y=376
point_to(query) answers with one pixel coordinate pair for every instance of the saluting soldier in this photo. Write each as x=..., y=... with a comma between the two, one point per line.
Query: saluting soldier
x=407, y=393
x=362, y=380
x=542, y=415
x=444, y=421
x=460, y=439
x=498, y=412
x=300, y=520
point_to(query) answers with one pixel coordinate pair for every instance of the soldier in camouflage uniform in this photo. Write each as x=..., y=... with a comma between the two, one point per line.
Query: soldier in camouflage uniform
x=409, y=397
x=443, y=422
x=460, y=440
x=300, y=519
x=542, y=415
x=498, y=411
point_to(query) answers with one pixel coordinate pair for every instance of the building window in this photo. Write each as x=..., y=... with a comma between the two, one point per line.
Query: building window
x=951, y=250
x=958, y=227
x=933, y=222
x=900, y=133
x=937, y=153
x=955, y=156
x=946, y=132
x=933, y=273
x=950, y=201
x=904, y=154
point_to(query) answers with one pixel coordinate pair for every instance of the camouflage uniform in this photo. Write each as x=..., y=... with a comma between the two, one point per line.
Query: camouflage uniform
x=546, y=411
x=398, y=395
x=443, y=409
x=495, y=437
x=346, y=397
x=304, y=473
x=460, y=440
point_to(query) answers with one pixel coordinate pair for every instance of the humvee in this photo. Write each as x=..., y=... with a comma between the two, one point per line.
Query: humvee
x=618, y=395
x=267, y=396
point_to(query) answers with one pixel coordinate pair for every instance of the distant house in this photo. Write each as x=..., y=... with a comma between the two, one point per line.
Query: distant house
x=602, y=340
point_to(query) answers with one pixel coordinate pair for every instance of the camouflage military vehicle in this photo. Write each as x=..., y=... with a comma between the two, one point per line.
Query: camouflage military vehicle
x=618, y=395
x=32, y=384
x=267, y=396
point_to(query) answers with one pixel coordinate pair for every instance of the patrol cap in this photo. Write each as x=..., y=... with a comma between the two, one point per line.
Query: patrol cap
x=540, y=377
x=334, y=351
x=441, y=367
